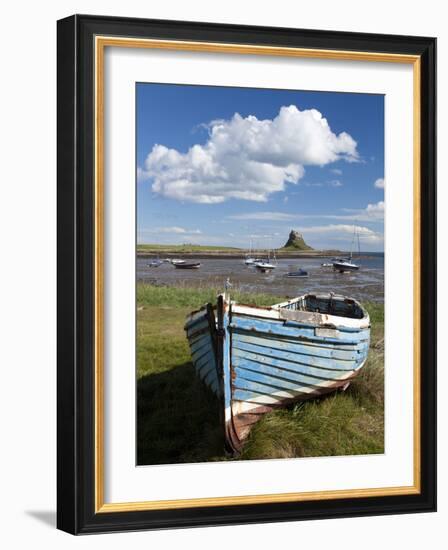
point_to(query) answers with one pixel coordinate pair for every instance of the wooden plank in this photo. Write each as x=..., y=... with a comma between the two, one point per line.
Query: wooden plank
x=292, y=356
x=299, y=333
x=198, y=348
x=197, y=328
x=277, y=383
x=197, y=317
x=328, y=373
x=308, y=375
x=208, y=357
x=255, y=389
x=329, y=351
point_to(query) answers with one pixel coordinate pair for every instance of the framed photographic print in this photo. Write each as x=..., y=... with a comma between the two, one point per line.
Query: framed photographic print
x=246, y=274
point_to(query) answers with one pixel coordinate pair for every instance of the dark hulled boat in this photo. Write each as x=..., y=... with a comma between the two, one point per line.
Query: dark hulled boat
x=187, y=265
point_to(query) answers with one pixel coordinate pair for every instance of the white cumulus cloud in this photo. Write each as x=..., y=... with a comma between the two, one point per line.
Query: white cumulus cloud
x=371, y=213
x=247, y=158
x=174, y=230
x=341, y=232
x=375, y=211
x=379, y=183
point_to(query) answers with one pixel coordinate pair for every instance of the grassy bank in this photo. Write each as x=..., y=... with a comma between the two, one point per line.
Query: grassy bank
x=203, y=251
x=183, y=248
x=178, y=417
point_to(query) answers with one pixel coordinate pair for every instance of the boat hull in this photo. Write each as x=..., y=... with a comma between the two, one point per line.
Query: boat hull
x=268, y=358
x=265, y=268
x=345, y=267
x=187, y=266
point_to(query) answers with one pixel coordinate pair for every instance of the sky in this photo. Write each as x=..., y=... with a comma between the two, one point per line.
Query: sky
x=243, y=166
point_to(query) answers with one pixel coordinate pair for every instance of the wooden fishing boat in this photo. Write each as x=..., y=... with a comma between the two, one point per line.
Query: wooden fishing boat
x=186, y=265
x=258, y=358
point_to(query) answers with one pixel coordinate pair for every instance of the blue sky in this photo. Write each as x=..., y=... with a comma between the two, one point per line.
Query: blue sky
x=226, y=166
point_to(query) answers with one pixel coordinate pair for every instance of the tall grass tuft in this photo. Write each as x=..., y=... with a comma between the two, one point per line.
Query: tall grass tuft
x=179, y=296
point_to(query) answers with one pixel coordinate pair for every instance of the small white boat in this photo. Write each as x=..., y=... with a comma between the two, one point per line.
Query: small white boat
x=265, y=266
x=325, y=264
x=252, y=261
x=177, y=262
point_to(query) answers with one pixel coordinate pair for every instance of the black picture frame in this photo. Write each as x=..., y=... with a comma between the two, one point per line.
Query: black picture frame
x=76, y=271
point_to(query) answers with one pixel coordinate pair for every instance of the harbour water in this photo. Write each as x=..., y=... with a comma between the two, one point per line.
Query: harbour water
x=367, y=284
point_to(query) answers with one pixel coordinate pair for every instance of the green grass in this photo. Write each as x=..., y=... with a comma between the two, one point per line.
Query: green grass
x=178, y=418
x=149, y=295
x=183, y=248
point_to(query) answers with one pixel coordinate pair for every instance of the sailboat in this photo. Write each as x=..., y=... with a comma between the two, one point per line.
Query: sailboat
x=251, y=260
x=347, y=264
x=265, y=266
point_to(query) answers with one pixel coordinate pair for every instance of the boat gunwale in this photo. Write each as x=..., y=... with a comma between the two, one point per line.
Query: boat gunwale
x=197, y=315
x=275, y=312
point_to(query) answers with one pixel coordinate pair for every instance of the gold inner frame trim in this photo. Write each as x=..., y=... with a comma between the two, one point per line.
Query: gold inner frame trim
x=101, y=42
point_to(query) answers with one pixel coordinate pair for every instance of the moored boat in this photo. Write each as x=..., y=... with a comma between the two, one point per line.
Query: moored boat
x=264, y=266
x=256, y=359
x=299, y=274
x=251, y=258
x=155, y=263
x=252, y=261
x=187, y=265
x=344, y=265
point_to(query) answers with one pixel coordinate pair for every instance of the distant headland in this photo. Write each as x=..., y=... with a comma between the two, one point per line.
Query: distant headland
x=295, y=247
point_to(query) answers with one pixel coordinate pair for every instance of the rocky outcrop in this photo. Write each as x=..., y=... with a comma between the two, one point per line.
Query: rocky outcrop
x=296, y=241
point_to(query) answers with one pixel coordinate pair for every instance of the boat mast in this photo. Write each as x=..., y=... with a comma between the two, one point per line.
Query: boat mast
x=353, y=242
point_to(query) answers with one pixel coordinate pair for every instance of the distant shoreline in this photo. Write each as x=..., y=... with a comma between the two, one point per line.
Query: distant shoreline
x=223, y=255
